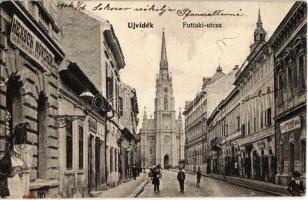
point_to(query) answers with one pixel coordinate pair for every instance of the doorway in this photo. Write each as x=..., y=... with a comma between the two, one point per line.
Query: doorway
x=291, y=157
x=166, y=161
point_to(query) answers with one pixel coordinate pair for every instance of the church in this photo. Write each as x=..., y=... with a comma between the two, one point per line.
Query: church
x=162, y=138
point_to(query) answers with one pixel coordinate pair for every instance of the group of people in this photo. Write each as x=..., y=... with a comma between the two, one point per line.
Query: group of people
x=295, y=186
x=156, y=174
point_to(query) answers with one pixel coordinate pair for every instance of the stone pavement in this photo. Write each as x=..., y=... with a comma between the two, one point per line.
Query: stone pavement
x=274, y=189
x=169, y=187
x=129, y=189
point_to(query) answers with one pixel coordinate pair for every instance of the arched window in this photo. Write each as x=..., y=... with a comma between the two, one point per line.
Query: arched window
x=42, y=136
x=302, y=71
x=166, y=102
x=13, y=102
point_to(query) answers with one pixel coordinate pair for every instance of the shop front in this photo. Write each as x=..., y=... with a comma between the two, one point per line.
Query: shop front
x=292, y=143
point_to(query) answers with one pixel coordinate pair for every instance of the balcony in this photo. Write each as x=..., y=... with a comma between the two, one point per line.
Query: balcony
x=215, y=142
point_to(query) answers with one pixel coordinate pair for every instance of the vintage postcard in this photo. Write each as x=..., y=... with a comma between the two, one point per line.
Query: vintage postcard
x=135, y=99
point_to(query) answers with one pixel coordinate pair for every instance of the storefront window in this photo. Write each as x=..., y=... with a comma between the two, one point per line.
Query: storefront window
x=303, y=155
x=69, y=146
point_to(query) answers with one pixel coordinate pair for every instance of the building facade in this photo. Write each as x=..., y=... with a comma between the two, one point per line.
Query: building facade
x=81, y=136
x=214, y=89
x=162, y=138
x=103, y=61
x=129, y=120
x=223, y=130
x=29, y=73
x=290, y=69
x=245, y=121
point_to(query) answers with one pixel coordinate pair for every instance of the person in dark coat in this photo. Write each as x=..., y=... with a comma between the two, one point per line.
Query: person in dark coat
x=181, y=178
x=134, y=171
x=156, y=174
x=198, y=177
x=296, y=186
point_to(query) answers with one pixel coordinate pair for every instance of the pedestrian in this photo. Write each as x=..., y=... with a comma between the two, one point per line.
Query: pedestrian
x=296, y=186
x=198, y=177
x=181, y=179
x=134, y=171
x=156, y=174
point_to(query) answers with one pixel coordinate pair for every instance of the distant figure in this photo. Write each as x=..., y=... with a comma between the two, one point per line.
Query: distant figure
x=134, y=171
x=181, y=178
x=198, y=177
x=156, y=174
x=296, y=186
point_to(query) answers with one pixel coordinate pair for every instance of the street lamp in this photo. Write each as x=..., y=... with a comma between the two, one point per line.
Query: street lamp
x=64, y=120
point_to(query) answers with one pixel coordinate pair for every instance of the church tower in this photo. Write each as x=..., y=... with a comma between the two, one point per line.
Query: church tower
x=164, y=101
x=162, y=138
x=259, y=34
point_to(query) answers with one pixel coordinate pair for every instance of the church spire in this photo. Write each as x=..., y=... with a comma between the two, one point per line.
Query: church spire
x=259, y=22
x=163, y=57
x=259, y=34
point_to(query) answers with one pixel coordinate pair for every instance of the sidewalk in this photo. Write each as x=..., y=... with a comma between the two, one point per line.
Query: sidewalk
x=274, y=189
x=129, y=189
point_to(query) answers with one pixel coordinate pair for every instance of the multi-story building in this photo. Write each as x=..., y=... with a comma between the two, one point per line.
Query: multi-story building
x=162, y=138
x=255, y=81
x=253, y=154
x=214, y=89
x=290, y=69
x=30, y=57
x=129, y=120
x=99, y=54
x=81, y=134
x=223, y=131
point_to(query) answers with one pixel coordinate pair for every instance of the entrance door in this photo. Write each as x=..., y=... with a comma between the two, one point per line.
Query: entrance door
x=166, y=161
x=90, y=165
x=291, y=157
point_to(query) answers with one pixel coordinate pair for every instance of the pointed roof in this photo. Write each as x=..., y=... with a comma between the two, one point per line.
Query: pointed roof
x=259, y=22
x=163, y=57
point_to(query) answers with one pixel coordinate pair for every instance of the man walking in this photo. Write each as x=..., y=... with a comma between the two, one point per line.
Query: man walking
x=181, y=179
x=156, y=174
x=198, y=177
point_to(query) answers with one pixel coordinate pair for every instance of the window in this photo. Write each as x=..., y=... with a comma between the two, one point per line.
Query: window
x=80, y=147
x=269, y=116
x=302, y=71
x=110, y=89
x=166, y=102
x=261, y=120
x=254, y=125
x=303, y=155
x=238, y=123
x=243, y=130
x=121, y=106
x=42, y=136
x=111, y=159
x=69, y=146
x=290, y=82
x=248, y=128
x=280, y=88
x=115, y=159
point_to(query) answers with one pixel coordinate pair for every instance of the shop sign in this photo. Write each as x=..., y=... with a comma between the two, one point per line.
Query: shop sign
x=290, y=125
x=30, y=44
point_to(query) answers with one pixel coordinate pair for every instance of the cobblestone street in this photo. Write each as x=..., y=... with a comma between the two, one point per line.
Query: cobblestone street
x=169, y=187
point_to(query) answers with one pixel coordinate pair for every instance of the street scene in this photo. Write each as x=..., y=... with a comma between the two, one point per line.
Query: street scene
x=138, y=99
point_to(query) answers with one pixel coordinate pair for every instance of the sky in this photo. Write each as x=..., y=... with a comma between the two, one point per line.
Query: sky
x=192, y=53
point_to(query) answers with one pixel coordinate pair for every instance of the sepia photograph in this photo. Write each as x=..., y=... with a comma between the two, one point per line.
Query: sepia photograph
x=153, y=99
